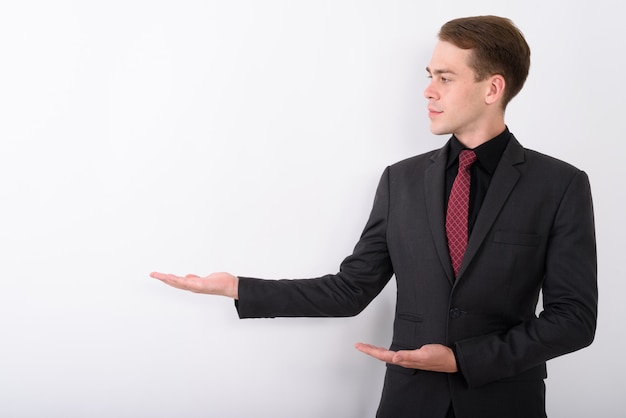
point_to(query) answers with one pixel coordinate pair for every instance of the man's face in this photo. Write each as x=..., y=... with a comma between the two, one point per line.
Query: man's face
x=456, y=101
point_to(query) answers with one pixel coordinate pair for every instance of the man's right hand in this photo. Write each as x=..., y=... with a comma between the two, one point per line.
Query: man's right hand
x=223, y=284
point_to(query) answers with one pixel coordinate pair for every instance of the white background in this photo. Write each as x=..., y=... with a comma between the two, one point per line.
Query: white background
x=249, y=136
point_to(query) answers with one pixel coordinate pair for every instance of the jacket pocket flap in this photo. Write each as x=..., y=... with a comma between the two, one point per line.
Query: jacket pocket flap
x=516, y=238
x=400, y=369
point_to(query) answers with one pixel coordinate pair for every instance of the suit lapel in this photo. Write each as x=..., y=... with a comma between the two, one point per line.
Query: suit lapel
x=504, y=179
x=434, y=187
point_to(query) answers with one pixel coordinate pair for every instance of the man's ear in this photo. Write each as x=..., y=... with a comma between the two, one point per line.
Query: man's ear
x=495, y=92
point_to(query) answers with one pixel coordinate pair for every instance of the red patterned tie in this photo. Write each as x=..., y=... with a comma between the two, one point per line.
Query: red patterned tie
x=458, y=207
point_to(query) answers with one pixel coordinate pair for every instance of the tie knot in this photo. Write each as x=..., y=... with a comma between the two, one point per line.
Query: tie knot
x=467, y=157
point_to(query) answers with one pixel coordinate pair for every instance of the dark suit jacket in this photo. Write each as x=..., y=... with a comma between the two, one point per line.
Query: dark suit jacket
x=535, y=232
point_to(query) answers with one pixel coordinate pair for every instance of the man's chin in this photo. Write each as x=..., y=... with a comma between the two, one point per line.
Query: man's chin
x=438, y=130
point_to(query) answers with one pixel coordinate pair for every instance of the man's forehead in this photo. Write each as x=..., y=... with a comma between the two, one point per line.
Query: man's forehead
x=448, y=58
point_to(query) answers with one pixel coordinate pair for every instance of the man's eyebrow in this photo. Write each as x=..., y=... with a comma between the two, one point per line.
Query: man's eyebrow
x=439, y=71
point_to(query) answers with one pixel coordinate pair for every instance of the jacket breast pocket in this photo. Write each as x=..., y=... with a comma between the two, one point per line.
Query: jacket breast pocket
x=408, y=316
x=516, y=238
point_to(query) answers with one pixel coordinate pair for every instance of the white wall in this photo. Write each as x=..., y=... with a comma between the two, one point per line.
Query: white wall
x=249, y=136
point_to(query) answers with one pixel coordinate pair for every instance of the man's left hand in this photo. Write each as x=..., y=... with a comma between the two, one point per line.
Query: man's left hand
x=432, y=357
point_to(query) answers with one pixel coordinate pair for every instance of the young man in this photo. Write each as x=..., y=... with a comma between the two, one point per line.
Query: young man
x=472, y=232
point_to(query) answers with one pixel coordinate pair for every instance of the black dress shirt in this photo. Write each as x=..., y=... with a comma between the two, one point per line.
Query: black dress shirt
x=488, y=156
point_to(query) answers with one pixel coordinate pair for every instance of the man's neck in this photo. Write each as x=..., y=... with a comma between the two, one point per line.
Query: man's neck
x=480, y=135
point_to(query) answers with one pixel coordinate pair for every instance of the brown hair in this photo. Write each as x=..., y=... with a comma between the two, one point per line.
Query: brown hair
x=498, y=47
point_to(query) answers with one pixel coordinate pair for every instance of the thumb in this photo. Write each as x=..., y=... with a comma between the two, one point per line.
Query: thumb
x=398, y=357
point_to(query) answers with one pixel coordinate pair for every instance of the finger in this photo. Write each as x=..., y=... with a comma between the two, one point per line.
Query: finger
x=165, y=277
x=366, y=348
x=157, y=275
x=172, y=280
x=377, y=352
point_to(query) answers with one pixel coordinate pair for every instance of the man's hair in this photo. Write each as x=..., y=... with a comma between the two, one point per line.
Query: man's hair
x=498, y=47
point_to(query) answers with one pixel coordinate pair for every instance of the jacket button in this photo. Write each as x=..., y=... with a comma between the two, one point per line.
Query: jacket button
x=456, y=313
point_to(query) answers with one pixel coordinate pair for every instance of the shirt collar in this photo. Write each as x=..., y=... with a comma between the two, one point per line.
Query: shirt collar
x=488, y=153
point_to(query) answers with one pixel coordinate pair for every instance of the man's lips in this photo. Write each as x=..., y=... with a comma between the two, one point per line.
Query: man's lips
x=433, y=112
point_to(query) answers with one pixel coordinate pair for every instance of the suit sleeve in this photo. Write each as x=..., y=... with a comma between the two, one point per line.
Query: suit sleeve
x=361, y=278
x=570, y=297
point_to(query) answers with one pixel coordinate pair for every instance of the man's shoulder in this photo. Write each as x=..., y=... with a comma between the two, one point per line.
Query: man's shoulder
x=536, y=157
x=411, y=163
x=539, y=169
x=535, y=160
